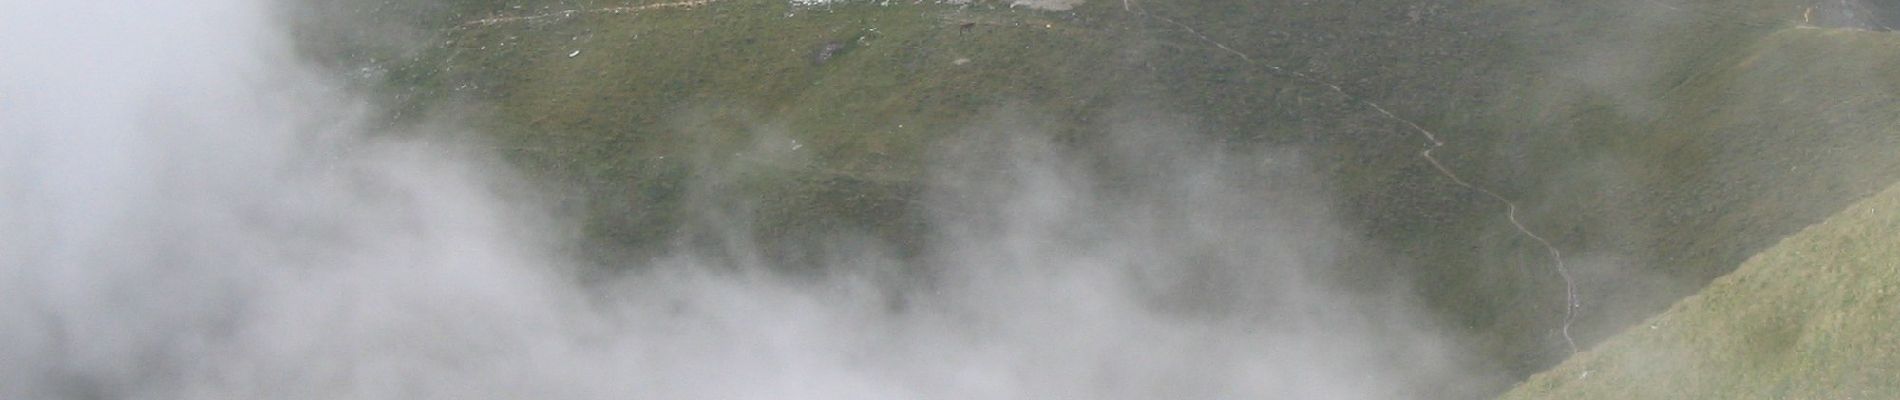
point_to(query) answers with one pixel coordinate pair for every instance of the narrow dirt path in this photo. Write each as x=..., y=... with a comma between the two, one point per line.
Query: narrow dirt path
x=1571, y=302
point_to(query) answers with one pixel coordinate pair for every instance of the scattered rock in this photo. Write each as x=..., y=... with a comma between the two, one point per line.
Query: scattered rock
x=1050, y=5
x=825, y=53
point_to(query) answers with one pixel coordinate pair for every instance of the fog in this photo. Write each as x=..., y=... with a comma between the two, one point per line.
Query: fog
x=193, y=212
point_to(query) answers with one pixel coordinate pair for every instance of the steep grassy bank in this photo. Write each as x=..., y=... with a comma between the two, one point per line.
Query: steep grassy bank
x=1810, y=318
x=1665, y=153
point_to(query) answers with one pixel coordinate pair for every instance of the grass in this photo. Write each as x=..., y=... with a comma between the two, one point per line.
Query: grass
x=1810, y=318
x=656, y=100
x=1760, y=133
x=1659, y=147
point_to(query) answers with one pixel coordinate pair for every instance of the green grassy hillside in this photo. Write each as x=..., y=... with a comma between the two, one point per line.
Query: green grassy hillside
x=1658, y=143
x=1811, y=318
x=636, y=106
x=1665, y=148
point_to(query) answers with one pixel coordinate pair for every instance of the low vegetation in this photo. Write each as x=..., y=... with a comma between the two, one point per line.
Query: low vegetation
x=1659, y=143
x=1810, y=318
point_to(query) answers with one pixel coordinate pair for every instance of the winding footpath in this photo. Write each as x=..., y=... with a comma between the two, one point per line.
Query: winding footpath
x=1571, y=301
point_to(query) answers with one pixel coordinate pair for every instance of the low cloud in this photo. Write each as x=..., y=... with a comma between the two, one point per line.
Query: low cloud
x=223, y=223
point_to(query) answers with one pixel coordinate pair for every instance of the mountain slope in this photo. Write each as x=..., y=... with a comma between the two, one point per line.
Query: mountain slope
x=1812, y=317
x=1693, y=145
x=841, y=100
x=1656, y=142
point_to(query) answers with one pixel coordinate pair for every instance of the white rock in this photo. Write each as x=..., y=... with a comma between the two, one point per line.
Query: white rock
x=1049, y=5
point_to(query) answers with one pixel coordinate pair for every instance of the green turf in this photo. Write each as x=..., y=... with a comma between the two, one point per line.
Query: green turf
x=1658, y=146
x=658, y=100
x=1811, y=318
x=1762, y=132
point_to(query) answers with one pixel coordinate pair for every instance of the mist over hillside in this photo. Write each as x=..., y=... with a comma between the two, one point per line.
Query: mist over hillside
x=233, y=223
x=900, y=199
